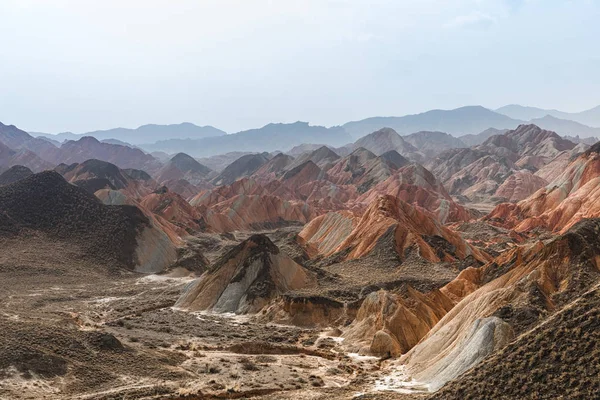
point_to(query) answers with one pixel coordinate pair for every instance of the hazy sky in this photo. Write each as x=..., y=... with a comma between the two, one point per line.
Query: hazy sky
x=83, y=65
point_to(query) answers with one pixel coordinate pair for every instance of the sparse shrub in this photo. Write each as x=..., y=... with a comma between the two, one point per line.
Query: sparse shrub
x=248, y=365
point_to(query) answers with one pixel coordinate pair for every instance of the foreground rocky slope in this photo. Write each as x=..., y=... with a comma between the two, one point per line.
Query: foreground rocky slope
x=508, y=297
x=562, y=355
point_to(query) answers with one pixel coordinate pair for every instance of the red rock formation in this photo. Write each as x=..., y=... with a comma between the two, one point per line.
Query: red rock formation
x=117, y=198
x=245, y=186
x=273, y=169
x=331, y=233
x=521, y=287
x=249, y=212
x=520, y=185
x=325, y=233
x=184, y=188
x=390, y=324
x=559, y=164
x=173, y=208
x=362, y=169
x=302, y=174
x=478, y=173
x=240, y=168
x=480, y=179
x=417, y=186
x=572, y=196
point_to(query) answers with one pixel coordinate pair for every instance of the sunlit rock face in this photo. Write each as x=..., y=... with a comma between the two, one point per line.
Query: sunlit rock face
x=246, y=279
x=572, y=196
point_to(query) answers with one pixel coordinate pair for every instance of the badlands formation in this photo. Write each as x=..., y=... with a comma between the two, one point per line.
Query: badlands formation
x=394, y=267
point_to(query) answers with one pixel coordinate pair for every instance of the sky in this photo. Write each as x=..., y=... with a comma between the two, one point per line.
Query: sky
x=238, y=64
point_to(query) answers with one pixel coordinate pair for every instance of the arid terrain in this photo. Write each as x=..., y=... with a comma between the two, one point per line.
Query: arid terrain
x=69, y=332
x=414, y=266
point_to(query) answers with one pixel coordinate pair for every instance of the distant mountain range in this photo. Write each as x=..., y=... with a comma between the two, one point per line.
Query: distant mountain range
x=270, y=137
x=589, y=117
x=565, y=127
x=472, y=124
x=144, y=134
x=457, y=122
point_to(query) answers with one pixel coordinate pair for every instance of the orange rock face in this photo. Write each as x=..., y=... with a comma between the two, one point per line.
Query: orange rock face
x=416, y=185
x=519, y=186
x=273, y=169
x=173, y=208
x=521, y=286
x=572, y=196
x=250, y=212
x=245, y=186
x=387, y=323
x=116, y=197
x=485, y=172
x=335, y=232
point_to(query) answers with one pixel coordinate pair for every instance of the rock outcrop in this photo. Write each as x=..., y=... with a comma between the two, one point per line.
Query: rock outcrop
x=246, y=279
x=483, y=173
x=519, y=186
x=173, y=208
x=414, y=184
x=274, y=168
x=410, y=228
x=364, y=169
x=389, y=324
x=561, y=355
x=253, y=212
x=245, y=186
x=572, y=196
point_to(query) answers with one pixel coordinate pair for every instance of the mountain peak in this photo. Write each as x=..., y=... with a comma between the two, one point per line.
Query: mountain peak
x=88, y=139
x=14, y=174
